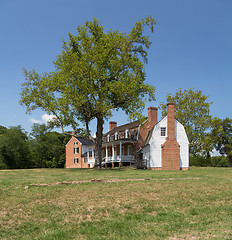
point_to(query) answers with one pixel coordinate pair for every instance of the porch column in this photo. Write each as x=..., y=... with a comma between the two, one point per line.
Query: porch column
x=106, y=153
x=88, y=155
x=106, y=156
x=120, y=150
x=120, y=153
x=93, y=155
x=112, y=151
x=112, y=155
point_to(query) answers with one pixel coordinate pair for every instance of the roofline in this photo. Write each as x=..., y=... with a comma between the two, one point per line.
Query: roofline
x=120, y=140
x=124, y=125
x=70, y=140
x=162, y=120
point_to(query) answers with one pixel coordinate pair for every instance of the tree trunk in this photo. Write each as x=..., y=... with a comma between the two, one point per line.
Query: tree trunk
x=98, y=142
x=87, y=127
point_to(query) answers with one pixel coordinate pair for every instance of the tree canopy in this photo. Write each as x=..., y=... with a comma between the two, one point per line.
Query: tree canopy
x=96, y=72
x=192, y=109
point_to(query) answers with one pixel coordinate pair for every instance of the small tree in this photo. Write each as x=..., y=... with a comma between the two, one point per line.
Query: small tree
x=96, y=73
x=193, y=111
x=221, y=135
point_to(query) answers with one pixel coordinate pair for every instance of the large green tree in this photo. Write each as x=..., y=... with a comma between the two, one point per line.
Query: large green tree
x=192, y=109
x=14, y=149
x=96, y=72
x=221, y=136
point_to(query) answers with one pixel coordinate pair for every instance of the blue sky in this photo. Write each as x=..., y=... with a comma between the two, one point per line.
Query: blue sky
x=191, y=46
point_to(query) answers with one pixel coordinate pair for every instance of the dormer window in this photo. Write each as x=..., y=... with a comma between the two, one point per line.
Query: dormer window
x=116, y=136
x=108, y=137
x=127, y=133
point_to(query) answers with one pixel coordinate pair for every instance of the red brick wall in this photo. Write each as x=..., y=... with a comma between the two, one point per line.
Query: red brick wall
x=70, y=155
x=170, y=149
x=170, y=155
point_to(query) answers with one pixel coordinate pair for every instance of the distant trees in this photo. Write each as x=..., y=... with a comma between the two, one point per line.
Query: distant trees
x=47, y=148
x=14, y=148
x=41, y=149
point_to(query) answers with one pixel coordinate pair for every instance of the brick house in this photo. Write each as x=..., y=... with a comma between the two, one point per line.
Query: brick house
x=158, y=145
x=122, y=145
x=75, y=149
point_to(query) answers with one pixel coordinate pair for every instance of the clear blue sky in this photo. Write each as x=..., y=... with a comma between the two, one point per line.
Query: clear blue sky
x=191, y=46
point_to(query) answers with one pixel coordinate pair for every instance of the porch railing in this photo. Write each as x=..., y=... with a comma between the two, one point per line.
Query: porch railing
x=112, y=159
x=119, y=159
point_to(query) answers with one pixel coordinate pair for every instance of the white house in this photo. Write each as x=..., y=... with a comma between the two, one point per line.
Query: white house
x=167, y=135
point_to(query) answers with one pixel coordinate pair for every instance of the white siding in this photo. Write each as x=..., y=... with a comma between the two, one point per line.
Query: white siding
x=146, y=154
x=182, y=139
x=155, y=144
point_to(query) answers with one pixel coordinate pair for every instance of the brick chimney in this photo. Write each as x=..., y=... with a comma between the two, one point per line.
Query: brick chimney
x=171, y=121
x=144, y=129
x=112, y=125
x=170, y=150
x=152, y=116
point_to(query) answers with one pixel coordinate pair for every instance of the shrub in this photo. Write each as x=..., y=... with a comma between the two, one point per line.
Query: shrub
x=217, y=161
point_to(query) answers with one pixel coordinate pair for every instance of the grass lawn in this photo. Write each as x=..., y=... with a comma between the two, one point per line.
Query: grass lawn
x=194, y=204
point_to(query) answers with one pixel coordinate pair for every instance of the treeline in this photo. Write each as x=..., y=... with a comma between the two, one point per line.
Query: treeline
x=40, y=148
x=203, y=161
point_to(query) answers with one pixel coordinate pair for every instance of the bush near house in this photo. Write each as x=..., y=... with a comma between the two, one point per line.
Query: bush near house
x=216, y=161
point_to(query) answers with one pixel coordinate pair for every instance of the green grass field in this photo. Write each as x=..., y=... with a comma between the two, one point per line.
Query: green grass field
x=194, y=204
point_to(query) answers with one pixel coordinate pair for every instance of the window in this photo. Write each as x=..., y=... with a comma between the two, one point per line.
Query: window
x=90, y=153
x=163, y=131
x=75, y=143
x=108, y=138
x=130, y=150
x=127, y=133
x=116, y=136
x=76, y=160
x=76, y=150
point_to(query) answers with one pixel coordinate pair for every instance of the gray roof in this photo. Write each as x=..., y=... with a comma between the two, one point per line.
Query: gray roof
x=124, y=127
x=85, y=141
x=148, y=137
